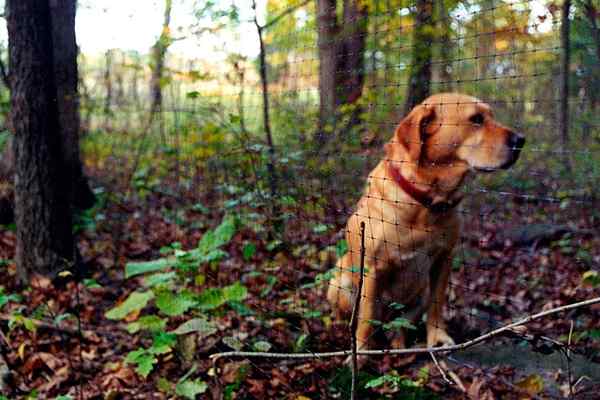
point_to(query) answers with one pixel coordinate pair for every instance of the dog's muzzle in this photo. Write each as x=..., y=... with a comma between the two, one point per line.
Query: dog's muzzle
x=515, y=143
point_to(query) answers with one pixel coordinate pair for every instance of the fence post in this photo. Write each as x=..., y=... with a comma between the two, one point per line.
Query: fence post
x=355, y=310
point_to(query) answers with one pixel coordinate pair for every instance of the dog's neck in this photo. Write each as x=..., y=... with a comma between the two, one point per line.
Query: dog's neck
x=434, y=200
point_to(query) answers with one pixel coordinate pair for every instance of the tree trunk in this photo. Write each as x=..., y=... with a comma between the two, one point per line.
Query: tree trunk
x=341, y=61
x=108, y=83
x=158, y=54
x=445, y=46
x=351, y=71
x=419, y=81
x=45, y=241
x=327, y=35
x=564, y=79
x=66, y=79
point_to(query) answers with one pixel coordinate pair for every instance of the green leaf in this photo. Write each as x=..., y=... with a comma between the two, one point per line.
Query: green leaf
x=210, y=299
x=341, y=248
x=190, y=389
x=91, y=284
x=135, y=302
x=382, y=380
x=248, y=251
x=174, y=304
x=396, y=306
x=161, y=278
x=201, y=325
x=163, y=343
x=235, y=292
x=212, y=240
x=144, y=361
x=150, y=323
x=320, y=228
x=398, y=323
x=138, y=268
x=262, y=346
x=5, y=298
x=240, y=308
x=591, y=277
x=233, y=342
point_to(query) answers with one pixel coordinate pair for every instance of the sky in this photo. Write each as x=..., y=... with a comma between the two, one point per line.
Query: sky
x=136, y=24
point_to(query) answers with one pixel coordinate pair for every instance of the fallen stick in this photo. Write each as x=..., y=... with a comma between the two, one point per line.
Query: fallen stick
x=441, y=349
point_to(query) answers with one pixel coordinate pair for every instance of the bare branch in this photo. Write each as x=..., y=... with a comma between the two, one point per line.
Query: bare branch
x=441, y=349
x=355, y=309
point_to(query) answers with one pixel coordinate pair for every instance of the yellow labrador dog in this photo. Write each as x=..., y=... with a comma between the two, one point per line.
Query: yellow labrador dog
x=409, y=211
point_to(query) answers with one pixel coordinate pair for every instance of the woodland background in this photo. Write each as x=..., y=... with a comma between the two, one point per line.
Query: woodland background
x=158, y=207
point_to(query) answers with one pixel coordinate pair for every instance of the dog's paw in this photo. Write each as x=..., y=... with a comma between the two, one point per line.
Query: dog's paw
x=438, y=337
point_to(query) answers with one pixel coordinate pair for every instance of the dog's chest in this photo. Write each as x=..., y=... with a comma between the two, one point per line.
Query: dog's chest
x=407, y=272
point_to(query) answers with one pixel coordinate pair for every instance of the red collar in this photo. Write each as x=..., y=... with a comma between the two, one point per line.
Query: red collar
x=419, y=195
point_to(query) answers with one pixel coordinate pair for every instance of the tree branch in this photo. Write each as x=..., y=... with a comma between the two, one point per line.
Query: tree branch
x=444, y=349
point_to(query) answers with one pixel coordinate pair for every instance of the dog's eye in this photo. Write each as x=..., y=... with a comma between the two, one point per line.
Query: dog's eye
x=477, y=119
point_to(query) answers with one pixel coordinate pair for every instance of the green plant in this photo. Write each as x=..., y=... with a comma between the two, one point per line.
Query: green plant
x=167, y=289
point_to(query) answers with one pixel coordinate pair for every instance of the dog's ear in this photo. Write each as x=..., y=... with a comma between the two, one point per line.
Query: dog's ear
x=410, y=133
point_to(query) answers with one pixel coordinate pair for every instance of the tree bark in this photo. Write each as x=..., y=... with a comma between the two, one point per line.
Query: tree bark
x=327, y=35
x=419, y=80
x=341, y=60
x=66, y=76
x=564, y=79
x=445, y=46
x=108, y=83
x=351, y=61
x=45, y=241
x=158, y=54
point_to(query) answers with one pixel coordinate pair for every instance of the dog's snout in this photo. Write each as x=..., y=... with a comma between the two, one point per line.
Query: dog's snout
x=516, y=141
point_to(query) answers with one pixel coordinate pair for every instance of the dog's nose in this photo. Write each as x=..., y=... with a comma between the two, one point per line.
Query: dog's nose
x=516, y=141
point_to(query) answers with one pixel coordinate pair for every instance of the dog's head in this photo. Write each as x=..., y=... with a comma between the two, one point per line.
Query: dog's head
x=455, y=130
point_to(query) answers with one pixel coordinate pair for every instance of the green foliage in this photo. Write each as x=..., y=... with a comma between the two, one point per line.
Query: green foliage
x=200, y=325
x=151, y=323
x=174, y=304
x=6, y=298
x=213, y=298
x=191, y=388
x=135, y=302
x=4, y=136
x=208, y=250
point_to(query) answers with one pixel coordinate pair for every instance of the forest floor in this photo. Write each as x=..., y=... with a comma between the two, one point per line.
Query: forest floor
x=508, y=266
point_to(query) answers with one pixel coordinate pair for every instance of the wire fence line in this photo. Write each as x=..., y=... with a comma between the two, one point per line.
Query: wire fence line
x=206, y=153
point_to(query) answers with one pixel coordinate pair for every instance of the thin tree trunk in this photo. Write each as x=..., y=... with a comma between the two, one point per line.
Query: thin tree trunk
x=66, y=80
x=591, y=13
x=420, y=73
x=327, y=35
x=351, y=71
x=159, y=52
x=266, y=117
x=45, y=241
x=445, y=46
x=564, y=80
x=108, y=83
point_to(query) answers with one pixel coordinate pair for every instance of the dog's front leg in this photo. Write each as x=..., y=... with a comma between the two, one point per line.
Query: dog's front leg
x=439, y=277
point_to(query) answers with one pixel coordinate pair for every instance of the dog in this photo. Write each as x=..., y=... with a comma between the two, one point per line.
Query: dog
x=409, y=211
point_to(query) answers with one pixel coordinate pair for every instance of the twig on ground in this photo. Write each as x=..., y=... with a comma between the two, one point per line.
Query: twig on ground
x=568, y=357
x=440, y=369
x=355, y=311
x=441, y=349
